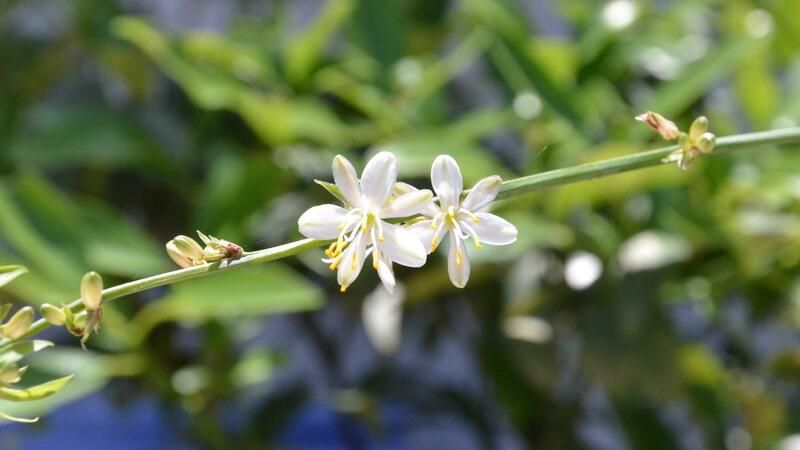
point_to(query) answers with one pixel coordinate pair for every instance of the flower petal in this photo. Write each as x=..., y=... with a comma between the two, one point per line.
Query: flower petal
x=483, y=193
x=346, y=179
x=352, y=261
x=378, y=177
x=429, y=236
x=386, y=273
x=407, y=204
x=400, y=188
x=322, y=222
x=446, y=180
x=402, y=246
x=457, y=262
x=493, y=230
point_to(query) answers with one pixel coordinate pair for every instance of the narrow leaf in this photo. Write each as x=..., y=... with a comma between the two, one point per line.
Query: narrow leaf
x=8, y=273
x=37, y=392
x=332, y=189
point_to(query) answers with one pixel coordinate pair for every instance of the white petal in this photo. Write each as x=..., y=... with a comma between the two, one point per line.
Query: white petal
x=401, y=188
x=407, y=204
x=483, y=193
x=426, y=234
x=378, y=177
x=446, y=180
x=402, y=246
x=430, y=209
x=322, y=222
x=457, y=262
x=352, y=261
x=386, y=273
x=493, y=230
x=346, y=179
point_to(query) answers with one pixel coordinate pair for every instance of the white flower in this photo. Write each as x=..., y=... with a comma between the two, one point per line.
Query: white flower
x=461, y=219
x=359, y=228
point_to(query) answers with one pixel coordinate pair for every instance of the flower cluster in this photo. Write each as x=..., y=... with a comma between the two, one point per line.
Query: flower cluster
x=364, y=227
x=698, y=141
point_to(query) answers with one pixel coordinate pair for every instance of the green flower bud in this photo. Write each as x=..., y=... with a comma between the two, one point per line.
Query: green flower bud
x=92, y=291
x=189, y=248
x=706, y=142
x=699, y=126
x=53, y=315
x=684, y=142
x=18, y=324
x=11, y=374
x=76, y=323
x=177, y=256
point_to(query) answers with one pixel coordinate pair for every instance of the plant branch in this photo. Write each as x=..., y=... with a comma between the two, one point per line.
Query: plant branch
x=510, y=188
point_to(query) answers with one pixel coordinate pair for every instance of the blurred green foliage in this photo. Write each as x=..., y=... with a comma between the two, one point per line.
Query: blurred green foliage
x=119, y=131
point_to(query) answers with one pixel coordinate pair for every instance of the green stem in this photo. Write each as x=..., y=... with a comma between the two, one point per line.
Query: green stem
x=163, y=279
x=511, y=188
x=522, y=185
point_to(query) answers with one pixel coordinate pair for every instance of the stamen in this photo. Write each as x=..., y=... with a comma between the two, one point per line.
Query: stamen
x=344, y=288
x=469, y=213
x=380, y=230
x=476, y=240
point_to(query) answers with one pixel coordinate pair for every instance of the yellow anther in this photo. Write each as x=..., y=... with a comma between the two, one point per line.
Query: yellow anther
x=335, y=263
x=375, y=258
x=344, y=287
x=380, y=238
x=477, y=244
x=433, y=226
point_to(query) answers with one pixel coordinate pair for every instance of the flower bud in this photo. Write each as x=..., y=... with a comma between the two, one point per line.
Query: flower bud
x=177, y=256
x=11, y=374
x=76, y=323
x=666, y=128
x=189, y=248
x=92, y=291
x=53, y=315
x=18, y=324
x=706, y=142
x=699, y=126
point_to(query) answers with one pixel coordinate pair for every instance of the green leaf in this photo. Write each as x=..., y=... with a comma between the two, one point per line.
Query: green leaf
x=61, y=137
x=270, y=289
x=18, y=350
x=676, y=96
x=9, y=273
x=332, y=189
x=305, y=49
x=37, y=392
x=91, y=371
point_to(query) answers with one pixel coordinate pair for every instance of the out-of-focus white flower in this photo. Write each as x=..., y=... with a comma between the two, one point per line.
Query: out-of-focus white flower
x=462, y=220
x=359, y=227
x=382, y=313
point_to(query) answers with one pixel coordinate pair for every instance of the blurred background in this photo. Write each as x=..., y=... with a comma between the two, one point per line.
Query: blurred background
x=651, y=310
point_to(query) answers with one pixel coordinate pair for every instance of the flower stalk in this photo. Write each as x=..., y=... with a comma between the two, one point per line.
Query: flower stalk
x=509, y=188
